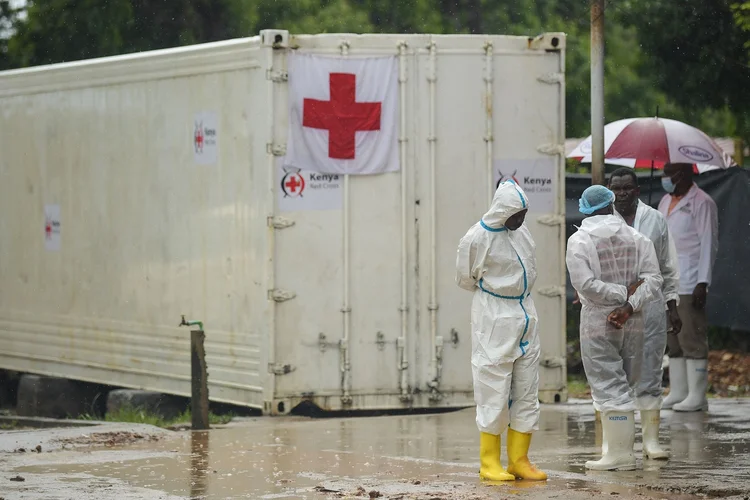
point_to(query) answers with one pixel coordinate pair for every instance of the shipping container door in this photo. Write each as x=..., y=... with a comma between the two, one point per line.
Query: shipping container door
x=340, y=271
x=494, y=119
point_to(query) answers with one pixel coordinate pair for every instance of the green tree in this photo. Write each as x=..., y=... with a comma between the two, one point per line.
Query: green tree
x=742, y=18
x=309, y=16
x=403, y=16
x=64, y=30
x=67, y=30
x=698, y=55
x=8, y=23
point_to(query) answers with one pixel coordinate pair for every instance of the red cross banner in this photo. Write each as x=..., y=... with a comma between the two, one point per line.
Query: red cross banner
x=343, y=115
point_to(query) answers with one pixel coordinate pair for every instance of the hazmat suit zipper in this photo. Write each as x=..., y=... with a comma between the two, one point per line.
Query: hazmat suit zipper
x=522, y=344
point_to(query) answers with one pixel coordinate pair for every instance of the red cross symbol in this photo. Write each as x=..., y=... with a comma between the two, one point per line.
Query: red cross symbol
x=199, y=137
x=48, y=229
x=342, y=116
x=293, y=184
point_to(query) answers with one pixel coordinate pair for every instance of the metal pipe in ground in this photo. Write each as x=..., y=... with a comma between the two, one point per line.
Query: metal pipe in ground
x=198, y=376
x=199, y=380
x=597, y=92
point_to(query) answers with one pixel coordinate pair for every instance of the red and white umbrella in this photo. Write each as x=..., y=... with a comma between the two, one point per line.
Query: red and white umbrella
x=653, y=142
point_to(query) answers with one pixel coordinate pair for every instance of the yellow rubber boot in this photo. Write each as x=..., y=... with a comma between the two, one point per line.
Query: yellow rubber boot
x=489, y=457
x=518, y=460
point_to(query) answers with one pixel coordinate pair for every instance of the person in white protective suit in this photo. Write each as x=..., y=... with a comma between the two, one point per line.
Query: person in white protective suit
x=497, y=261
x=614, y=270
x=652, y=224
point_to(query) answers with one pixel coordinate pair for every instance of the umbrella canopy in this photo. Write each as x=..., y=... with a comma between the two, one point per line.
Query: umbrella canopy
x=653, y=142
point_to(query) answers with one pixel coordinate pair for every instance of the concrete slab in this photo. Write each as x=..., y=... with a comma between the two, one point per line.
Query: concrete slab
x=397, y=457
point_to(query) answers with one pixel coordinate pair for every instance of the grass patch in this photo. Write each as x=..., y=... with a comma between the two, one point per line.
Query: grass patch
x=8, y=426
x=134, y=415
x=578, y=387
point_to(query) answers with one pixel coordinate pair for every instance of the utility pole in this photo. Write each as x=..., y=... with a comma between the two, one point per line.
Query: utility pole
x=597, y=92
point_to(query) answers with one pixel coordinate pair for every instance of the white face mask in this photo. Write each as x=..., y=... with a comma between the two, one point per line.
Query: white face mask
x=667, y=184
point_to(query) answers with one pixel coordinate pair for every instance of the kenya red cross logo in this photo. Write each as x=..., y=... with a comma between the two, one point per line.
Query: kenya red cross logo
x=48, y=229
x=198, y=137
x=341, y=116
x=504, y=178
x=292, y=184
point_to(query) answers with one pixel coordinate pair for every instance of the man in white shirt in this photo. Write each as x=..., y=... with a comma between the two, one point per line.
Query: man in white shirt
x=694, y=225
x=652, y=224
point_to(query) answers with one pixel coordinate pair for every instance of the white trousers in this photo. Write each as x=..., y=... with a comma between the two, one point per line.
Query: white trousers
x=505, y=364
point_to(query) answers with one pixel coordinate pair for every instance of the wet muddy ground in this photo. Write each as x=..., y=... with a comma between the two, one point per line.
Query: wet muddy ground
x=393, y=457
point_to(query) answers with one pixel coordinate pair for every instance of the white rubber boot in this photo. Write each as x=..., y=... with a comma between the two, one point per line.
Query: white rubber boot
x=678, y=384
x=619, y=435
x=697, y=377
x=650, y=420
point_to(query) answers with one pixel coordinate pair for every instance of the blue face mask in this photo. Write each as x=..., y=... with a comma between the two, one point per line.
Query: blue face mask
x=667, y=184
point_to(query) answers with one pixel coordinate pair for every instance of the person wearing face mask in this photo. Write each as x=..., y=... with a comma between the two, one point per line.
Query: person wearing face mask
x=496, y=260
x=615, y=271
x=652, y=224
x=694, y=224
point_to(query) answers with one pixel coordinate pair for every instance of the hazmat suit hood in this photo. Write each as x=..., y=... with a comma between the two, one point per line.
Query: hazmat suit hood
x=603, y=226
x=509, y=199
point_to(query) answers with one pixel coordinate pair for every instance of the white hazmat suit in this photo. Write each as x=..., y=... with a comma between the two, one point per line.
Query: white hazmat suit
x=652, y=224
x=604, y=257
x=499, y=266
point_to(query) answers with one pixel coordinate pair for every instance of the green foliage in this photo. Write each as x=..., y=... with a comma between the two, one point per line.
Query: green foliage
x=135, y=415
x=64, y=30
x=688, y=58
x=741, y=13
x=578, y=387
x=697, y=54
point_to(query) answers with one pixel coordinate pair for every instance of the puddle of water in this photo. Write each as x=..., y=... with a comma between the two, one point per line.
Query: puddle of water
x=287, y=458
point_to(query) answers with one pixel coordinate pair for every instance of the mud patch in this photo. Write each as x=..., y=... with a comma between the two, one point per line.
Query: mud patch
x=107, y=439
x=703, y=490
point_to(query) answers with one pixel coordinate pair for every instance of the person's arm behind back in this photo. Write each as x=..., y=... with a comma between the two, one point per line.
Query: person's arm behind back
x=578, y=259
x=467, y=267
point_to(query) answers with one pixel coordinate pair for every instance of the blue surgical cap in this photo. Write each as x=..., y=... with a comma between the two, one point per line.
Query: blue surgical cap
x=595, y=198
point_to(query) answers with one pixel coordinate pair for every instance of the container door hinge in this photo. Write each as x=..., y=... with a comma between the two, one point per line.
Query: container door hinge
x=280, y=222
x=277, y=76
x=551, y=149
x=276, y=149
x=279, y=295
x=280, y=369
x=552, y=78
x=551, y=220
x=552, y=291
x=553, y=362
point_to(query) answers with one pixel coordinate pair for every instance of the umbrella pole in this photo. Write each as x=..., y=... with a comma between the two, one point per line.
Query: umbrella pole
x=651, y=183
x=651, y=180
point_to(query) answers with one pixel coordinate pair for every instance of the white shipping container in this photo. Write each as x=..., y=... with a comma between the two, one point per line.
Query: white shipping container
x=142, y=187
